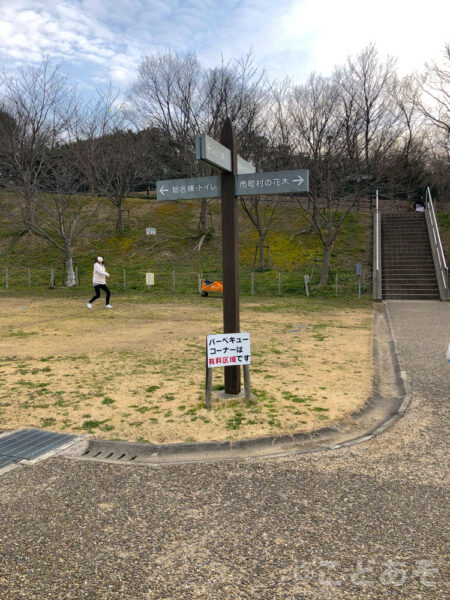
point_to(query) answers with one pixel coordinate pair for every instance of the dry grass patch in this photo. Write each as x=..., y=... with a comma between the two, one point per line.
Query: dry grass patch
x=137, y=372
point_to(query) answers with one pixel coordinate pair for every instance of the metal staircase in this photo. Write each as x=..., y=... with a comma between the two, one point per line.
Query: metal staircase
x=408, y=257
x=407, y=261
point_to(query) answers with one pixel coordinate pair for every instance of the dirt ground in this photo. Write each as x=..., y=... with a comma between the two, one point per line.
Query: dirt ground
x=137, y=372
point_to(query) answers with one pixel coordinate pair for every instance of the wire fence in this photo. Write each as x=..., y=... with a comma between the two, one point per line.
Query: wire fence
x=178, y=281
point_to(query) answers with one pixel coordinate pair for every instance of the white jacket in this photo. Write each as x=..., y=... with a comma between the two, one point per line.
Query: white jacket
x=99, y=275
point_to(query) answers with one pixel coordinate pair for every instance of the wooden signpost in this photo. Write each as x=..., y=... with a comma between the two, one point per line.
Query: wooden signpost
x=238, y=178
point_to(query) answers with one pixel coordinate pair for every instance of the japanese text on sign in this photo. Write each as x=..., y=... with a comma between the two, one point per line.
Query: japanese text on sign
x=228, y=349
x=187, y=189
x=273, y=182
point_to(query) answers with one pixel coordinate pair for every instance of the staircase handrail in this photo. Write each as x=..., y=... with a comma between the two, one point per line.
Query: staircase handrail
x=377, y=283
x=437, y=247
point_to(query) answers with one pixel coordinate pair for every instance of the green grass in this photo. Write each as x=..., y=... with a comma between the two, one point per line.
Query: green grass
x=173, y=250
x=108, y=400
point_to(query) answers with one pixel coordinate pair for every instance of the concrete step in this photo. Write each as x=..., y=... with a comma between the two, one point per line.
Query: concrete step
x=412, y=288
x=420, y=279
x=406, y=261
x=395, y=237
x=412, y=296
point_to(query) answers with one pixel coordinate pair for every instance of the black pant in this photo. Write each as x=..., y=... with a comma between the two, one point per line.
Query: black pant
x=97, y=288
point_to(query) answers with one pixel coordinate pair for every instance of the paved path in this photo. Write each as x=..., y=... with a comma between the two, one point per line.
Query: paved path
x=365, y=522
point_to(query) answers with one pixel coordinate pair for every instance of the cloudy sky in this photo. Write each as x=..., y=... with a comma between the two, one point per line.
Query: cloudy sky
x=96, y=41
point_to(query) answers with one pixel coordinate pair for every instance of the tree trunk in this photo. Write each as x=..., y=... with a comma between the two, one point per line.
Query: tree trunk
x=28, y=208
x=261, y=252
x=119, y=218
x=203, y=217
x=71, y=279
x=325, y=264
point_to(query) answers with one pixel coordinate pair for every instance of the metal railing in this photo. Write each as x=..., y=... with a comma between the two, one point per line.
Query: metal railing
x=436, y=247
x=377, y=273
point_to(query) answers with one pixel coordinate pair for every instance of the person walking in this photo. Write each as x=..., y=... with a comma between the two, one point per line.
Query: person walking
x=99, y=281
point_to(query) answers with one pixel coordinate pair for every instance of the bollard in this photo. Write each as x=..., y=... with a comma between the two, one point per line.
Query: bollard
x=124, y=280
x=306, y=277
x=247, y=387
x=6, y=278
x=173, y=281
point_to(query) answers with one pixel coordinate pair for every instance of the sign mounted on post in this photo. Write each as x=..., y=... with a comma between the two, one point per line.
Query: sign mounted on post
x=272, y=182
x=150, y=231
x=217, y=155
x=228, y=349
x=238, y=178
x=188, y=189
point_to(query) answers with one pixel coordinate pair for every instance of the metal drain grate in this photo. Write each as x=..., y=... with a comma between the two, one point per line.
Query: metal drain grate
x=96, y=454
x=29, y=444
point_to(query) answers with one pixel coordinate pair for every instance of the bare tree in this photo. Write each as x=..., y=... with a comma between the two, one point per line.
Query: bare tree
x=43, y=175
x=176, y=95
x=261, y=214
x=110, y=155
x=404, y=166
x=321, y=132
x=365, y=85
x=435, y=104
x=60, y=212
x=40, y=105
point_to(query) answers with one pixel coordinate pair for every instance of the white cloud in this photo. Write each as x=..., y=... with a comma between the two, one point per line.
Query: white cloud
x=101, y=39
x=408, y=30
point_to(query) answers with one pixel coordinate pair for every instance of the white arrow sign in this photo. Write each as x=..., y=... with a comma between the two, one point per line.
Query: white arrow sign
x=163, y=190
x=273, y=182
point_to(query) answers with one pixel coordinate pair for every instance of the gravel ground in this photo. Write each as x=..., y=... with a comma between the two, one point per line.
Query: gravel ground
x=365, y=522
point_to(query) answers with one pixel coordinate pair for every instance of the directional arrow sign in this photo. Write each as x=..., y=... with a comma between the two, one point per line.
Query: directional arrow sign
x=250, y=184
x=188, y=189
x=210, y=151
x=272, y=183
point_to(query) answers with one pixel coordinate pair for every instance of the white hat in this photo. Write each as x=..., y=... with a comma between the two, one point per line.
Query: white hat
x=99, y=259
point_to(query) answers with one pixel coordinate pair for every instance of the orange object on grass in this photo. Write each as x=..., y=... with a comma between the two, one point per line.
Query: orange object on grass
x=211, y=286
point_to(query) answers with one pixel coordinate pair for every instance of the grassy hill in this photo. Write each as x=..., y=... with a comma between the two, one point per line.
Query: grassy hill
x=292, y=250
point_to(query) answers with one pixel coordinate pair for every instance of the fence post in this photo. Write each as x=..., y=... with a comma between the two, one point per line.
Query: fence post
x=52, y=278
x=306, y=278
x=77, y=281
x=124, y=280
x=173, y=281
x=336, y=284
x=247, y=388
x=6, y=278
x=29, y=276
x=252, y=283
x=279, y=283
x=199, y=283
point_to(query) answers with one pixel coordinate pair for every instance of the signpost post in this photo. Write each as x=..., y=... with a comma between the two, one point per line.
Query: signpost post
x=238, y=178
x=230, y=255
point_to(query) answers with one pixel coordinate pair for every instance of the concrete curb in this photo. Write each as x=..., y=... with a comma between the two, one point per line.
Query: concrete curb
x=388, y=409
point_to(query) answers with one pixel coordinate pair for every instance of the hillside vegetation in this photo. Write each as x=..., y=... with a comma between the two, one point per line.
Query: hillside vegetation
x=292, y=247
